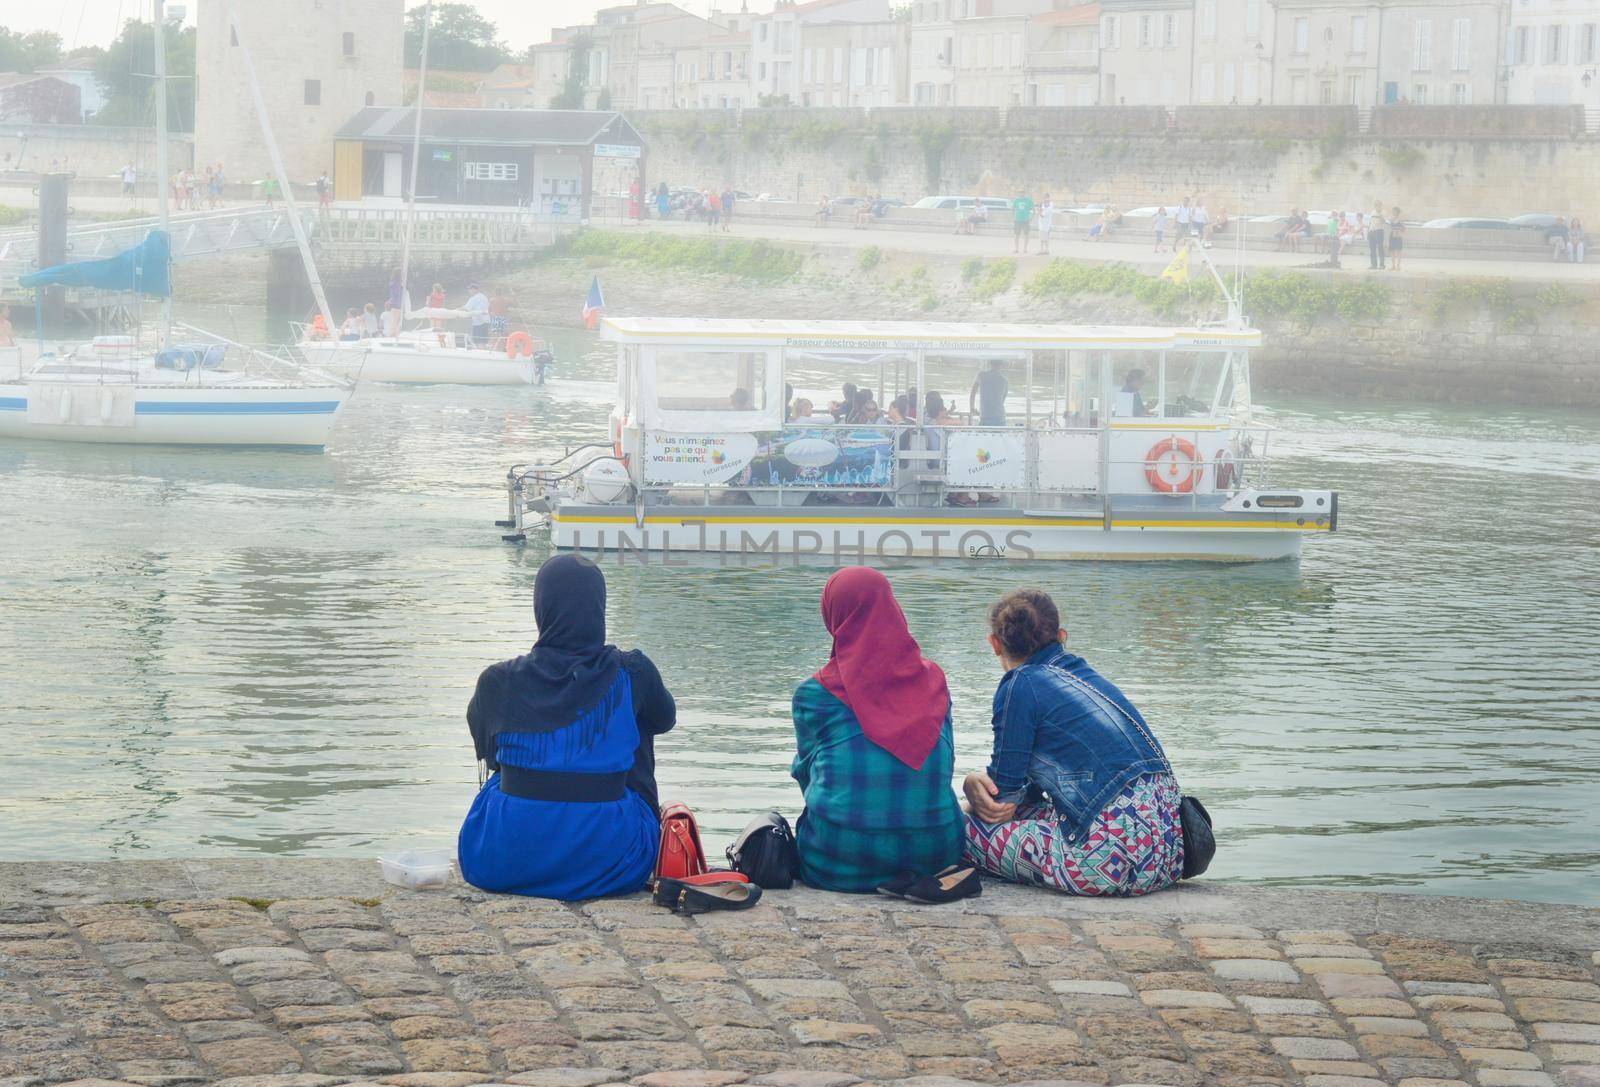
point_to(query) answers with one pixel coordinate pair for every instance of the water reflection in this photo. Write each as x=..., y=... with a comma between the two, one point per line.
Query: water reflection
x=263, y=652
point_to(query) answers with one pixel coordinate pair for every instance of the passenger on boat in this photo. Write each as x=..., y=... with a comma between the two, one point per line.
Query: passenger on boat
x=1078, y=795
x=740, y=400
x=806, y=415
x=319, y=326
x=987, y=399
x=391, y=321
x=8, y=337
x=350, y=327
x=499, y=315
x=570, y=810
x=1130, y=403
x=874, y=747
x=935, y=418
x=369, y=321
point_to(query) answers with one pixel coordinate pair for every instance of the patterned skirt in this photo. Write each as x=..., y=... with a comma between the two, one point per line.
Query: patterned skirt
x=1134, y=846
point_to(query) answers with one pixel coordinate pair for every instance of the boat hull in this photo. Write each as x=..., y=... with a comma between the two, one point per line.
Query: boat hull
x=752, y=534
x=295, y=417
x=416, y=364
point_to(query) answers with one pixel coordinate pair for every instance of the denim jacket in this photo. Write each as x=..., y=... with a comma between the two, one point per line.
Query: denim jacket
x=1062, y=729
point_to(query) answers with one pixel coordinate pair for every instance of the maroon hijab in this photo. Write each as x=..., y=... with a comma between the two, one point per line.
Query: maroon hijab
x=878, y=670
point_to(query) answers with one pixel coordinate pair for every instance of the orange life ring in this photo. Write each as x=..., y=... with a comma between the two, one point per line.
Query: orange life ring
x=516, y=340
x=1161, y=466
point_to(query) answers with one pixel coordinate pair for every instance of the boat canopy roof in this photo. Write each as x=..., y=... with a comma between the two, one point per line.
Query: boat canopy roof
x=910, y=335
x=146, y=269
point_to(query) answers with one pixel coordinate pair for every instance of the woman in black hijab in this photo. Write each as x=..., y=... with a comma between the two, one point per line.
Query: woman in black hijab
x=568, y=731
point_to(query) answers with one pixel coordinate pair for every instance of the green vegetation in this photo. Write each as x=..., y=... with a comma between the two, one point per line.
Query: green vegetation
x=1490, y=294
x=257, y=903
x=572, y=88
x=929, y=301
x=10, y=216
x=1290, y=295
x=1275, y=145
x=815, y=135
x=935, y=140
x=971, y=269
x=758, y=260
x=1400, y=158
x=869, y=258
x=460, y=39
x=997, y=279
x=1550, y=296
x=130, y=95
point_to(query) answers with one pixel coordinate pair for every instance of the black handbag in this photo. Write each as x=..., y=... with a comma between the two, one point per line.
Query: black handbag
x=1199, y=844
x=766, y=852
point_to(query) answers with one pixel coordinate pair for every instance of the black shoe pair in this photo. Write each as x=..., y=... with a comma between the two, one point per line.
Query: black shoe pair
x=950, y=885
x=701, y=895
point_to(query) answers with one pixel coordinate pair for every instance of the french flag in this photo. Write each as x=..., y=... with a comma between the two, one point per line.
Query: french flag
x=595, y=307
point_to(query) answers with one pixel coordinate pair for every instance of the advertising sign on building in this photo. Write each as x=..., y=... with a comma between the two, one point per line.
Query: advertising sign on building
x=985, y=459
x=696, y=458
x=616, y=151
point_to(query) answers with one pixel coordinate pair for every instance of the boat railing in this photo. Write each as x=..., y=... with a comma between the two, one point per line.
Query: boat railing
x=277, y=363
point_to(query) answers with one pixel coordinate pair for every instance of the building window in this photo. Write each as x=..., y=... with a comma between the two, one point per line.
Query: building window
x=761, y=32
x=1460, y=44
x=1422, y=45
x=1169, y=31
x=1353, y=90
x=1249, y=86
x=1460, y=94
x=1522, y=46
x=1358, y=35
x=1419, y=94
x=1555, y=45
x=1326, y=93
x=1208, y=81
x=489, y=171
x=1110, y=32
x=1252, y=18
x=313, y=92
x=1145, y=31
x=1302, y=35
x=371, y=98
x=349, y=43
x=1586, y=43
x=233, y=36
x=1208, y=19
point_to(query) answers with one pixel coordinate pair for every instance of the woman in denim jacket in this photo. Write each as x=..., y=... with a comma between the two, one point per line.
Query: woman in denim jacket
x=1079, y=795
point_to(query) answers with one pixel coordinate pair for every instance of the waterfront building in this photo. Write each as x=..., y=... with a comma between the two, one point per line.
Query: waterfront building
x=543, y=159
x=853, y=64
x=91, y=98
x=630, y=54
x=36, y=99
x=312, y=82
x=549, y=63
x=776, y=66
x=1552, y=53
x=717, y=72
x=1063, y=57
x=1147, y=52
x=1233, y=41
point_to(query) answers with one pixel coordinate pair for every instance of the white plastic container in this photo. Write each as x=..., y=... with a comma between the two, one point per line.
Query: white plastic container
x=417, y=868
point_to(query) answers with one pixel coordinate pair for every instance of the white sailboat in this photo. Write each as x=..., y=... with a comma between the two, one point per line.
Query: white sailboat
x=425, y=354
x=154, y=389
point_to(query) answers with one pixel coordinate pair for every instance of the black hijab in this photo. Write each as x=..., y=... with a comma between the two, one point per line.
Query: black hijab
x=570, y=669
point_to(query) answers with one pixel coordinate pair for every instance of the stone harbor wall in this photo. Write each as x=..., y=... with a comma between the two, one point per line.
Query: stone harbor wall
x=311, y=974
x=1248, y=166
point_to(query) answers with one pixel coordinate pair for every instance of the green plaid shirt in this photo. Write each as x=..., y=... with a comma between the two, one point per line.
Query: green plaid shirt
x=868, y=816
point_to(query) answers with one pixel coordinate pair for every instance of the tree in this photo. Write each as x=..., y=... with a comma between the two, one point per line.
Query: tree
x=124, y=71
x=21, y=52
x=460, y=39
x=573, y=87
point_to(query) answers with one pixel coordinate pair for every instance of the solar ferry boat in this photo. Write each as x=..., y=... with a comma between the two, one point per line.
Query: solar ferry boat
x=1115, y=443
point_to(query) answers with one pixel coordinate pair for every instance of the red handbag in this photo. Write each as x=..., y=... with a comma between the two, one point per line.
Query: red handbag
x=681, y=854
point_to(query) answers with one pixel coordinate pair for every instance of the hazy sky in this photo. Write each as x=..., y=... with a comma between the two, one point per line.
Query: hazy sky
x=94, y=22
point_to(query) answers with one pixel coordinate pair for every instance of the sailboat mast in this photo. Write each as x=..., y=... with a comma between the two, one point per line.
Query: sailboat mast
x=163, y=215
x=301, y=241
x=416, y=159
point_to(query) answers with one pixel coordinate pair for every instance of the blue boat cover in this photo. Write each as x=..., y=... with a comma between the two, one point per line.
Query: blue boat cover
x=145, y=268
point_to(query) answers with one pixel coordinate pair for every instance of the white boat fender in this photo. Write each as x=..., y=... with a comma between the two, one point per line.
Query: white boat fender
x=605, y=482
x=107, y=405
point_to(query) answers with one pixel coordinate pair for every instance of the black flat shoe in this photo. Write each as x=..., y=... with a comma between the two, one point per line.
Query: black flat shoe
x=896, y=886
x=951, y=885
x=690, y=898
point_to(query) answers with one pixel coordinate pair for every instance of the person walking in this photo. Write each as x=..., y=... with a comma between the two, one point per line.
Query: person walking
x=1047, y=219
x=728, y=199
x=1182, y=218
x=1160, y=227
x=130, y=179
x=1021, y=222
x=1375, y=238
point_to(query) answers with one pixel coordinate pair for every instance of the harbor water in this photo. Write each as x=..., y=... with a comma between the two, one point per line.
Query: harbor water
x=215, y=652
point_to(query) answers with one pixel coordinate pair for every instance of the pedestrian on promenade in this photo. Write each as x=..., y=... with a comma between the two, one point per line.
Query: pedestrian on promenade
x=1184, y=218
x=1375, y=237
x=1047, y=222
x=1575, y=240
x=1105, y=821
x=874, y=747
x=1200, y=221
x=713, y=209
x=1397, y=238
x=130, y=179
x=218, y=179
x=663, y=202
x=1161, y=227
x=1556, y=238
x=567, y=732
x=1021, y=222
x=728, y=200
x=324, y=192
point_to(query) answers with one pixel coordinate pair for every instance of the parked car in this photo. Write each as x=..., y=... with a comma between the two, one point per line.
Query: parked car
x=951, y=203
x=1538, y=220
x=1467, y=223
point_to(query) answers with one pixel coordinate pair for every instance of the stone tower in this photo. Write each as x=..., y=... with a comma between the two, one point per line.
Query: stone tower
x=318, y=62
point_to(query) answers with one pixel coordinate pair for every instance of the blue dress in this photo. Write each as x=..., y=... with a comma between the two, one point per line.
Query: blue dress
x=561, y=848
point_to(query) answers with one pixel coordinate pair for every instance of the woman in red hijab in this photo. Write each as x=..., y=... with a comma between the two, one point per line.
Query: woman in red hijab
x=875, y=751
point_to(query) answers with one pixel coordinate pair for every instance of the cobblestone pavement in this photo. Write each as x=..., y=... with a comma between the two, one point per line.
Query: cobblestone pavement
x=808, y=990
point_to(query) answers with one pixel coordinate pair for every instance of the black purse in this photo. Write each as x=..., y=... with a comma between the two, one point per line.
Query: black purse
x=1199, y=844
x=766, y=852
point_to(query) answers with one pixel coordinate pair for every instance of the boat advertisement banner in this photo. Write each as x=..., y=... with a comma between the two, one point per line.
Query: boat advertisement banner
x=989, y=459
x=697, y=458
x=813, y=458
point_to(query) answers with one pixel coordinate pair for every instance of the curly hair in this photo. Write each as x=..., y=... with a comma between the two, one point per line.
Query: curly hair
x=1024, y=621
